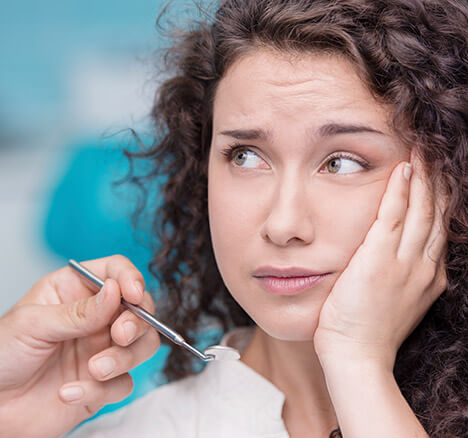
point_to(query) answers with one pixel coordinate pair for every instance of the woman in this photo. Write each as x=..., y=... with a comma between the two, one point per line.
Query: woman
x=286, y=128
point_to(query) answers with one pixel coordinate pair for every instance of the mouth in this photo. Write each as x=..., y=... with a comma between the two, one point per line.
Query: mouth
x=289, y=285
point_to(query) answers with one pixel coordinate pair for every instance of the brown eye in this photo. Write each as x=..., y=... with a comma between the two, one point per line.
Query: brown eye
x=334, y=165
x=341, y=163
x=243, y=156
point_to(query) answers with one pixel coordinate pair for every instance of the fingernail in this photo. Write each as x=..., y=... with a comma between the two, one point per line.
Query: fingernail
x=100, y=295
x=105, y=365
x=130, y=330
x=139, y=288
x=72, y=393
x=407, y=170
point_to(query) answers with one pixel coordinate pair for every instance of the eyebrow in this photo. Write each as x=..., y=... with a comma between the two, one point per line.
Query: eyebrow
x=326, y=130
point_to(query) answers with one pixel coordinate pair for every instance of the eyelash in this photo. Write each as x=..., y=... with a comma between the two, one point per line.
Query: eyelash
x=231, y=149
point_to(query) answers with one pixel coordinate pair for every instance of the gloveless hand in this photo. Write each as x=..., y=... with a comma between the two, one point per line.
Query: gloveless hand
x=61, y=336
x=392, y=279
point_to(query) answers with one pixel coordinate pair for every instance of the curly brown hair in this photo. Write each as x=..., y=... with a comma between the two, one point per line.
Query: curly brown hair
x=412, y=54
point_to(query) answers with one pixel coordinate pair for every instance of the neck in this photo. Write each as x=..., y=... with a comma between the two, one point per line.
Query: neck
x=294, y=368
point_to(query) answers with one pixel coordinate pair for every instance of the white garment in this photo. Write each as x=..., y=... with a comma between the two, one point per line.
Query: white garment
x=224, y=400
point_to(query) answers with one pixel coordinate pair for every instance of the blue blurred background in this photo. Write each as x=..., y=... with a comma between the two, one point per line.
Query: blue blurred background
x=74, y=72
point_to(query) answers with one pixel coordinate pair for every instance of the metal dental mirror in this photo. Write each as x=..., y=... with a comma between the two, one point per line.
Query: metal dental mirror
x=215, y=352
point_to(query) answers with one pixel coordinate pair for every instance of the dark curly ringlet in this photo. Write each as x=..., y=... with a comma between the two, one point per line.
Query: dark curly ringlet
x=412, y=54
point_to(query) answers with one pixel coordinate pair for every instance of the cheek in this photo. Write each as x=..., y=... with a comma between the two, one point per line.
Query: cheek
x=231, y=211
x=346, y=215
x=340, y=215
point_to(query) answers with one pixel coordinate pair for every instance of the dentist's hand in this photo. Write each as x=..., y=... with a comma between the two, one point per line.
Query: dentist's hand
x=65, y=351
x=392, y=279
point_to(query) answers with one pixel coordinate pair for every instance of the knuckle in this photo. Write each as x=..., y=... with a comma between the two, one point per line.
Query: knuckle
x=429, y=215
x=77, y=312
x=119, y=258
x=137, y=274
x=123, y=263
x=395, y=224
x=428, y=210
x=127, y=270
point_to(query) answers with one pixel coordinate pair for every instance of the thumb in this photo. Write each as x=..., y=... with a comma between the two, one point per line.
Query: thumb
x=60, y=322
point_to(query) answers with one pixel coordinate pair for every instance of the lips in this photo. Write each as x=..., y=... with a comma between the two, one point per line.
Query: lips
x=289, y=280
x=293, y=271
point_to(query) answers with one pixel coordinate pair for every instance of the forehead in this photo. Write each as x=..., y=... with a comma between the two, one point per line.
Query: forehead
x=265, y=84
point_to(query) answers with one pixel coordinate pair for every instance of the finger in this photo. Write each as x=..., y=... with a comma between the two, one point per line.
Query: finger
x=96, y=394
x=387, y=229
x=124, y=271
x=128, y=327
x=438, y=284
x=437, y=241
x=117, y=360
x=441, y=278
x=76, y=319
x=420, y=216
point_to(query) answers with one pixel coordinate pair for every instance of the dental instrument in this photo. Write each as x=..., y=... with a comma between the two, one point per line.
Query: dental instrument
x=214, y=352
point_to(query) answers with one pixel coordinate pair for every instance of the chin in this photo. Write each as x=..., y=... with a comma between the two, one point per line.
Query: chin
x=284, y=318
x=294, y=323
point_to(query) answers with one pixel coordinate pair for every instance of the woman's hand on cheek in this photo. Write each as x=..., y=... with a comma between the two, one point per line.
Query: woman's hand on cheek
x=392, y=279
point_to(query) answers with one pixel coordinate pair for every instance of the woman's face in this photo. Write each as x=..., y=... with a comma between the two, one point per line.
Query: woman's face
x=284, y=201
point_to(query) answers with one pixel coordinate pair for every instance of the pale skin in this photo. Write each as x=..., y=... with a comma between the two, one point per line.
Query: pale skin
x=57, y=332
x=372, y=230
x=277, y=203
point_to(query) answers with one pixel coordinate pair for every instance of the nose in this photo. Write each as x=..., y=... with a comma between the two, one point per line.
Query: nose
x=289, y=218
